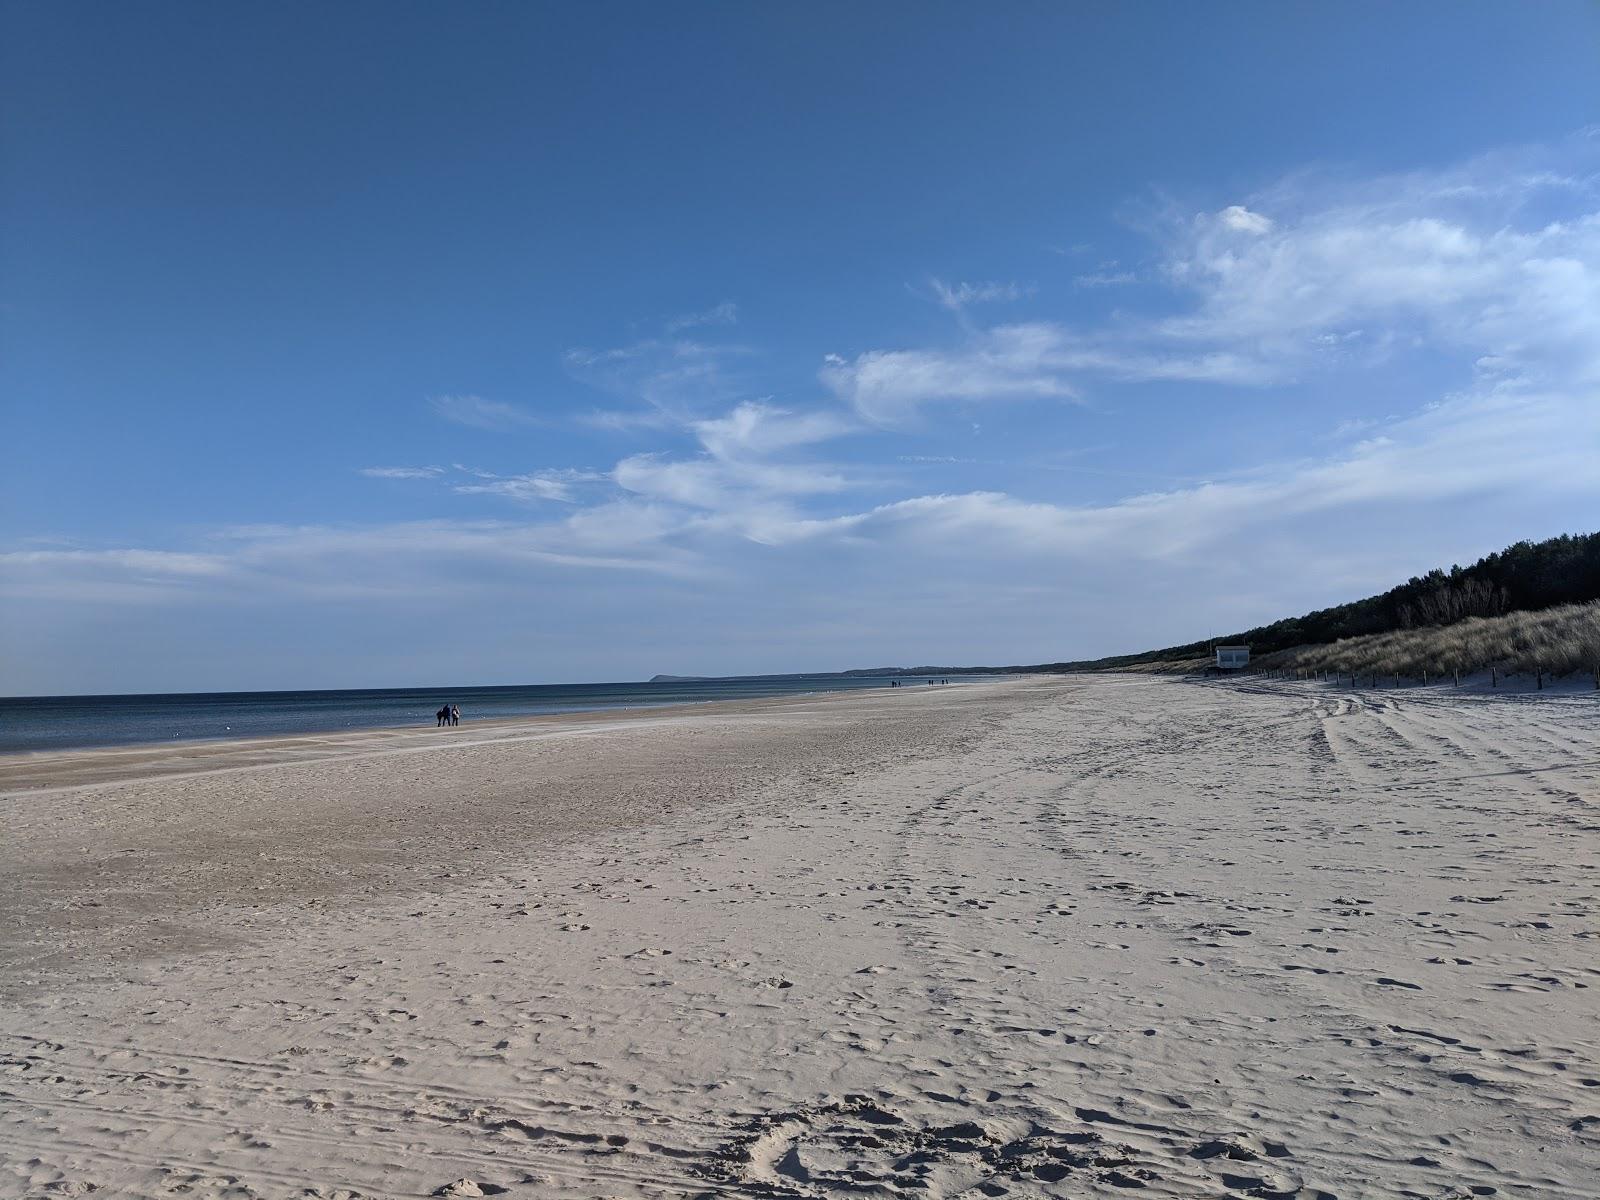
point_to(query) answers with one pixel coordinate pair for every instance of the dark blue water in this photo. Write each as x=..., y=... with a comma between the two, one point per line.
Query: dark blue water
x=66, y=722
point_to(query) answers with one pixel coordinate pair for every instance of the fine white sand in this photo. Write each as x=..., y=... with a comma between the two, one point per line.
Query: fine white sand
x=1061, y=937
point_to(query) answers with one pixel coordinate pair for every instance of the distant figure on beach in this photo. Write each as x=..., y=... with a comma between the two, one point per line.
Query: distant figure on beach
x=442, y=717
x=455, y=714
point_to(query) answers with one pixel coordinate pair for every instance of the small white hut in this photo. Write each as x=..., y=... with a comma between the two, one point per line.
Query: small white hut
x=1233, y=658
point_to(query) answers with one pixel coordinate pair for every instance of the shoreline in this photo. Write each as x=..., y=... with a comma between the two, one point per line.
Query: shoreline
x=358, y=711
x=33, y=771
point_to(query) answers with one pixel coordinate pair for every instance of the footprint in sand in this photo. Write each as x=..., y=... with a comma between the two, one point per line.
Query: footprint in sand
x=381, y=1063
x=70, y=1187
x=859, y=1145
x=469, y=1188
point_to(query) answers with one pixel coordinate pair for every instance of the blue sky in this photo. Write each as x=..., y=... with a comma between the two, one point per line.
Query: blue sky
x=364, y=345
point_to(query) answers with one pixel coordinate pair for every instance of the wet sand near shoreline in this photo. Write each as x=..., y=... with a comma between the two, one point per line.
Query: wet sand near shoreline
x=1049, y=937
x=44, y=769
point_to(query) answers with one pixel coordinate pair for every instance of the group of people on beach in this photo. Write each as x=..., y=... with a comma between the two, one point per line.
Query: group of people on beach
x=931, y=682
x=450, y=714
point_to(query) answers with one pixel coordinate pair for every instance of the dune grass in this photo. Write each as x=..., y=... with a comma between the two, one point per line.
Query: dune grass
x=1552, y=641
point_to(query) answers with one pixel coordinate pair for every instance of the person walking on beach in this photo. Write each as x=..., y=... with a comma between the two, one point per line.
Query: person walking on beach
x=455, y=714
x=440, y=717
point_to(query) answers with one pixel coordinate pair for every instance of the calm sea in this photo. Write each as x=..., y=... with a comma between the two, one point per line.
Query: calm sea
x=66, y=722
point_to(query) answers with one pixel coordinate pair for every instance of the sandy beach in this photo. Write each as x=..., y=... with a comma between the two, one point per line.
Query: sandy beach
x=1064, y=937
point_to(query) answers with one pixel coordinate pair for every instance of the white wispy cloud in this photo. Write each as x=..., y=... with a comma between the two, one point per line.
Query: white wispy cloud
x=479, y=413
x=1239, y=219
x=1506, y=443
x=1520, y=298
x=674, y=380
x=959, y=296
x=136, y=563
x=626, y=420
x=1304, y=277
x=676, y=514
x=539, y=485
x=1106, y=277
x=558, y=483
x=402, y=472
x=758, y=427
x=122, y=575
x=722, y=486
x=726, y=313
x=1037, y=361
x=737, y=476
x=889, y=387
x=1280, y=284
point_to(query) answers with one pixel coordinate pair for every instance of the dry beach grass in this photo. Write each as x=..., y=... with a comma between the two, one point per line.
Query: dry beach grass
x=1056, y=937
x=1557, y=641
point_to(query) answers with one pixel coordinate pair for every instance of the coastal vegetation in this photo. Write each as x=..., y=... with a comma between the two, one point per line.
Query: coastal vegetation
x=1530, y=608
x=1551, y=642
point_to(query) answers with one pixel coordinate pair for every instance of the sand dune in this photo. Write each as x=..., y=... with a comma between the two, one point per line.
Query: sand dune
x=1060, y=937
